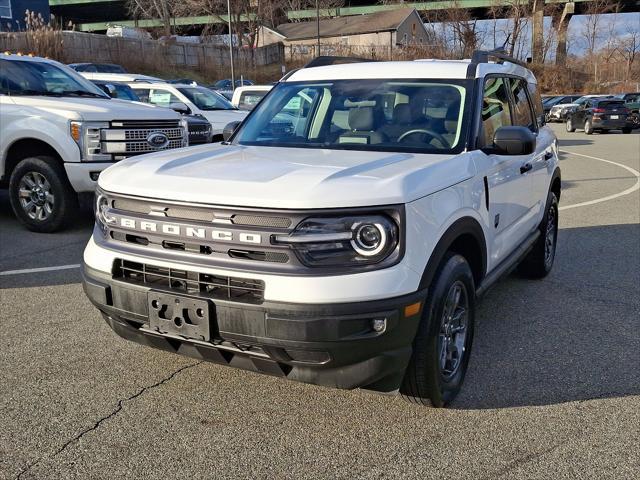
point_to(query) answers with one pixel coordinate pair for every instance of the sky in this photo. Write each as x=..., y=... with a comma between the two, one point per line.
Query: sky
x=621, y=23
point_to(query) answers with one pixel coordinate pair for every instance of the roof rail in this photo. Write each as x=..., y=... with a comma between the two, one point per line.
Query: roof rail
x=325, y=60
x=482, y=56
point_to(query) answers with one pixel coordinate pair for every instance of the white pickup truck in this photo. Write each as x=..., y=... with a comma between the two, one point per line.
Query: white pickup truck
x=58, y=131
x=342, y=234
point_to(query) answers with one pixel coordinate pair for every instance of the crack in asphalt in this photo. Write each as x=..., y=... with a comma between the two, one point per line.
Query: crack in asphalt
x=114, y=412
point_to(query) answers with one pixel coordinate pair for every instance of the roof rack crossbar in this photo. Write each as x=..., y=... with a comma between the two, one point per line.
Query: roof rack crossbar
x=482, y=56
x=324, y=60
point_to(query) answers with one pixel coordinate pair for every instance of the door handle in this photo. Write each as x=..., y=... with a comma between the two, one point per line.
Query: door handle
x=525, y=168
x=548, y=156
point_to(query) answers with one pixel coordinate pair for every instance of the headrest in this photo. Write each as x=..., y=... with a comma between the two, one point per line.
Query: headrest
x=402, y=114
x=361, y=119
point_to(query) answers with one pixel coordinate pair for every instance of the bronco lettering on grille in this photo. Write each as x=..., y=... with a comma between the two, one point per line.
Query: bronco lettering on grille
x=204, y=233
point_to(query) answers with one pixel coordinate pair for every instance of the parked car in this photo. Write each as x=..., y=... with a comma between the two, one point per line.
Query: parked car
x=560, y=111
x=121, y=77
x=246, y=98
x=97, y=67
x=348, y=250
x=118, y=90
x=633, y=104
x=628, y=97
x=58, y=132
x=183, y=81
x=198, y=128
x=557, y=100
x=191, y=100
x=599, y=115
x=223, y=87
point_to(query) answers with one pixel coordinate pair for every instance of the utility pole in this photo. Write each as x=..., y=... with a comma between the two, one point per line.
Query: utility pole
x=318, y=26
x=233, y=77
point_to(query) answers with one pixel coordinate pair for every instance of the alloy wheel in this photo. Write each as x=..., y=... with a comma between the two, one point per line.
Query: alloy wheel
x=453, y=330
x=36, y=198
x=550, y=238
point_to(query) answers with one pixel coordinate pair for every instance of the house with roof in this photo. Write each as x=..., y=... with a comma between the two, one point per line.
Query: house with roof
x=389, y=28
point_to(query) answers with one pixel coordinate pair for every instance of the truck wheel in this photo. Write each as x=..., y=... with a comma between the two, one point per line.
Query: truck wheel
x=569, y=126
x=442, y=345
x=539, y=261
x=626, y=130
x=588, y=127
x=40, y=194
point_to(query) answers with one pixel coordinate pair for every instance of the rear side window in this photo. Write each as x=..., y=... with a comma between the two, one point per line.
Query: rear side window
x=522, y=109
x=496, y=111
x=250, y=99
x=534, y=93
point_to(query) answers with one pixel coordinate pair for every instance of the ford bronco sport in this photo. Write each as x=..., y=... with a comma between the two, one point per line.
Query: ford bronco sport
x=343, y=233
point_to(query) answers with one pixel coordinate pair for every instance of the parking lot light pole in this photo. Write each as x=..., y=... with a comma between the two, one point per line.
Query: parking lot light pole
x=233, y=79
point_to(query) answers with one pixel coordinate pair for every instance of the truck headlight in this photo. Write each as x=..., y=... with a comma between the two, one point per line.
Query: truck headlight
x=185, y=132
x=344, y=241
x=88, y=136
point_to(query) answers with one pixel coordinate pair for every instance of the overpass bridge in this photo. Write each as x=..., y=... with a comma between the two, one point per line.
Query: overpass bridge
x=96, y=15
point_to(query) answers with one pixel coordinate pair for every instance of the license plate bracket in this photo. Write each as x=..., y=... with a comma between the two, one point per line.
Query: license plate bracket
x=179, y=315
x=614, y=117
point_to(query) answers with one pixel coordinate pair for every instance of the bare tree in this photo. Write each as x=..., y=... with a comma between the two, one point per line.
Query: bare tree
x=162, y=9
x=628, y=45
x=591, y=32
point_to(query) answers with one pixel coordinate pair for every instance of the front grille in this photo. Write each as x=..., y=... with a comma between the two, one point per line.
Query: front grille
x=143, y=147
x=202, y=214
x=142, y=134
x=184, y=281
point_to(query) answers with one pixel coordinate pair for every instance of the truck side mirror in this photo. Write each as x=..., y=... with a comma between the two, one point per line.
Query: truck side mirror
x=514, y=140
x=180, y=108
x=108, y=89
x=229, y=129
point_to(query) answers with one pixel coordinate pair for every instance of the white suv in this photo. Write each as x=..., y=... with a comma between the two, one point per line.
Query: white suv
x=58, y=131
x=342, y=235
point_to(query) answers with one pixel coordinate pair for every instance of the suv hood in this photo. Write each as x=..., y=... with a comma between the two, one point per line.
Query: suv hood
x=275, y=177
x=96, y=109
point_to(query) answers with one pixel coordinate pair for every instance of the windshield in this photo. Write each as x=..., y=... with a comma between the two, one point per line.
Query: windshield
x=391, y=115
x=205, y=99
x=23, y=77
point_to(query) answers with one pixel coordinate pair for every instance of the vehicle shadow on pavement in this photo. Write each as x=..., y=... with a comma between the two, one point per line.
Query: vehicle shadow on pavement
x=574, y=143
x=573, y=336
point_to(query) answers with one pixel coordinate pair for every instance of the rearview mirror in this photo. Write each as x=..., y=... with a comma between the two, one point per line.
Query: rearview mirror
x=514, y=141
x=180, y=108
x=229, y=129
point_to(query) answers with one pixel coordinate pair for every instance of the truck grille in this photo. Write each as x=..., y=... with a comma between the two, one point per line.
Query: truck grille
x=177, y=280
x=127, y=138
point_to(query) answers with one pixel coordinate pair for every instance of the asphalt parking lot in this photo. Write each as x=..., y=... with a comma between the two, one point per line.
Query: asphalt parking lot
x=553, y=388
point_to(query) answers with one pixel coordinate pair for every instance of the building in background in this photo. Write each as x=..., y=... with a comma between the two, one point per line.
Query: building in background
x=13, y=12
x=386, y=29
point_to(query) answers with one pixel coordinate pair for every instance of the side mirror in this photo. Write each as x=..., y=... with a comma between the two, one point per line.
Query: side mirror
x=180, y=108
x=108, y=89
x=514, y=141
x=229, y=129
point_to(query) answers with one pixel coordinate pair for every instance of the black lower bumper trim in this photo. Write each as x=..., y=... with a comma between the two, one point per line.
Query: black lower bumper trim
x=331, y=345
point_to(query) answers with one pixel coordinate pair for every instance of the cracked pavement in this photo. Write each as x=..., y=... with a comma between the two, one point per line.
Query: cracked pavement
x=553, y=388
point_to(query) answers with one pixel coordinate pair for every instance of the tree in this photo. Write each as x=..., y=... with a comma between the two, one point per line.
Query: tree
x=162, y=9
x=591, y=31
x=628, y=45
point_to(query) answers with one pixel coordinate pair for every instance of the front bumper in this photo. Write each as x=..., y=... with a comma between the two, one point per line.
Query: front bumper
x=325, y=344
x=83, y=176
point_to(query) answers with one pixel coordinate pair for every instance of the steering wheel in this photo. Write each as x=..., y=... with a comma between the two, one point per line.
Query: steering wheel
x=430, y=133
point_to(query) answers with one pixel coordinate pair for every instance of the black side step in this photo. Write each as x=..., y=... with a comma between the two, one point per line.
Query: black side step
x=508, y=264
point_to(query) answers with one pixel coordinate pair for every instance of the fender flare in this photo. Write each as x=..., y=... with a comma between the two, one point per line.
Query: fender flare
x=557, y=174
x=462, y=226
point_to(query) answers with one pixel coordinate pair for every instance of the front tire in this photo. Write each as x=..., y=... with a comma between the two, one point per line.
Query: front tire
x=539, y=262
x=40, y=194
x=442, y=345
x=626, y=130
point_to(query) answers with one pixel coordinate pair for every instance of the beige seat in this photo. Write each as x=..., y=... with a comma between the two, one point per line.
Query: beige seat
x=362, y=128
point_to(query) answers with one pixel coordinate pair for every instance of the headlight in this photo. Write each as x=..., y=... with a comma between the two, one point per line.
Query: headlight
x=88, y=136
x=344, y=241
x=103, y=204
x=185, y=132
